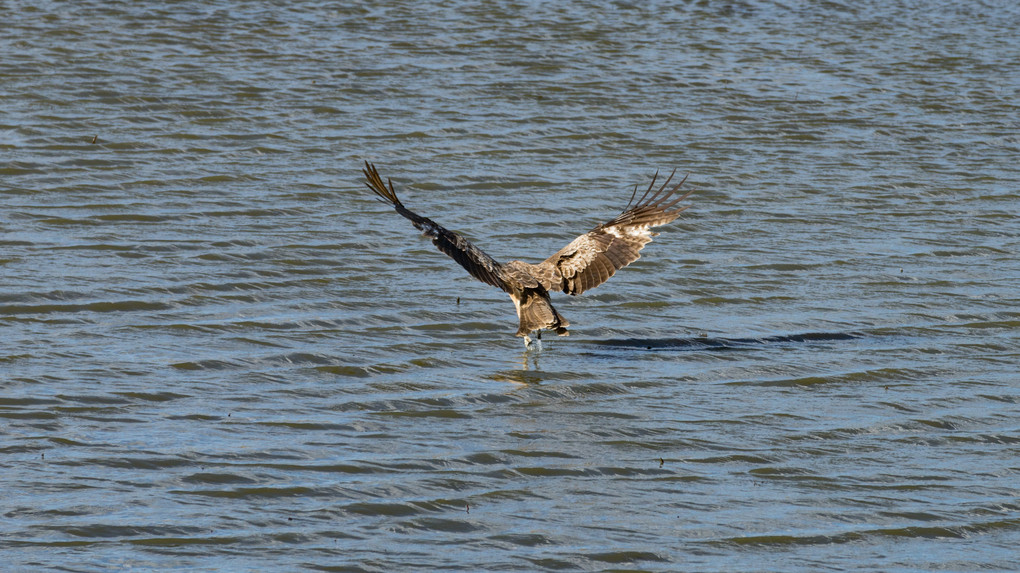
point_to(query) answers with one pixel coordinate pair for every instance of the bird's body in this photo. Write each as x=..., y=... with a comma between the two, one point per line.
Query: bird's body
x=585, y=263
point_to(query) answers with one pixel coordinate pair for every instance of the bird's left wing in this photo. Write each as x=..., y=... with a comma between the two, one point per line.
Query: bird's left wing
x=474, y=260
x=592, y=258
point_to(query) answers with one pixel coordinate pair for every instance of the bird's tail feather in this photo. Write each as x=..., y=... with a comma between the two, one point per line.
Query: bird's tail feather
x=537, y=313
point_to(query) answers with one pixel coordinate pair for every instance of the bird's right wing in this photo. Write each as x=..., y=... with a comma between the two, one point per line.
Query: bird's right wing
x=592, y=258
x=474, y=260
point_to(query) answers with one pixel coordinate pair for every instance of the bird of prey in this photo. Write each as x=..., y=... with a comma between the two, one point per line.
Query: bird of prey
x=587, y=262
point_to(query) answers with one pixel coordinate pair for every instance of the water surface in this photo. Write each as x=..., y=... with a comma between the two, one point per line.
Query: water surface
x=221, y=354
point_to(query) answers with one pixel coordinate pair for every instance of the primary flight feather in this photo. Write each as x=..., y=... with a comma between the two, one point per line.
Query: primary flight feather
x=585, y=263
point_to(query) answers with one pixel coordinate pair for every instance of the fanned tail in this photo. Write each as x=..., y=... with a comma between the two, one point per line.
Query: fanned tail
x=537, y=313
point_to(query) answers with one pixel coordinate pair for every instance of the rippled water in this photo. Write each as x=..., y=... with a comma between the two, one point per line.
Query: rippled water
x=219, y=353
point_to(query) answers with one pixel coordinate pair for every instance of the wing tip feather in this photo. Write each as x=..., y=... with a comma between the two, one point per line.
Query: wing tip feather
x=375, y=183
x=653, y=206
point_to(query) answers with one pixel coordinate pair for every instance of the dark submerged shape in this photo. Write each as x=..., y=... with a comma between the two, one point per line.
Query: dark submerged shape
x=587, y=262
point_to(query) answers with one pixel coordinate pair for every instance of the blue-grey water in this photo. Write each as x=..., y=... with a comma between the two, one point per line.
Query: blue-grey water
x=219, y=353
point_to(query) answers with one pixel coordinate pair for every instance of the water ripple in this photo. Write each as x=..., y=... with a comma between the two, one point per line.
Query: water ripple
x=219, y=352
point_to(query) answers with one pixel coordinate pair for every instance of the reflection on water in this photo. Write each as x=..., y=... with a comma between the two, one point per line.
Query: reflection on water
x=220, y=353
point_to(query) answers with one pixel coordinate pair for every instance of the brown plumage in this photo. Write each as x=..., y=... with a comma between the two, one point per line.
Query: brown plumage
x=584, y=264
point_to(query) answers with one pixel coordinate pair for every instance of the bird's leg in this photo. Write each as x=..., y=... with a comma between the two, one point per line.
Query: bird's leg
x=536, y=344
x=538, y=340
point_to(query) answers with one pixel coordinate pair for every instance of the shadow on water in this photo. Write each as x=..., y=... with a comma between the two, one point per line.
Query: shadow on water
x=530, y=371
x=720, y=344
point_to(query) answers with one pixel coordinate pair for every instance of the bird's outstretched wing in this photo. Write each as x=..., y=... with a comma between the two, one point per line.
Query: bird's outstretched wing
x=592, y=258
x=474, y=260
